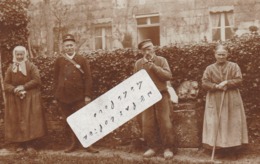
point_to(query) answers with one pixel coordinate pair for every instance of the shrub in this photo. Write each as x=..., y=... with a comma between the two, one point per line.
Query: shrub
x=13, y=23
x=187, y=62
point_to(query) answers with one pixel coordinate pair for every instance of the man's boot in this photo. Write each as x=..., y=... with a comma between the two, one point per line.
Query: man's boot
x=73, y=144
x=90, y=149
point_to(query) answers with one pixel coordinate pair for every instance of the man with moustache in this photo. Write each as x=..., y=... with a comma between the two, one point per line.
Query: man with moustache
x=72, y=83
x=155, y=121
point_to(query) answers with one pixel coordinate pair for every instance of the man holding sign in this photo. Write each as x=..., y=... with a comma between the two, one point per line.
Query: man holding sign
x=157, y=116
x=73, y=83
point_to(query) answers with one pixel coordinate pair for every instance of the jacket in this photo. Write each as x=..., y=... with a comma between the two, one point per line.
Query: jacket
x=160, y=74
x=70, y=84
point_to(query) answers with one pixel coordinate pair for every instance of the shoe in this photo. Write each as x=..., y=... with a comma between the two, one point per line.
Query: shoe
x=71, y=148
x=205, y=152
x=73, y=144
x=20, y=149
x=168, y=154
x=92, y=150
x=31, y=150
x=149, y=153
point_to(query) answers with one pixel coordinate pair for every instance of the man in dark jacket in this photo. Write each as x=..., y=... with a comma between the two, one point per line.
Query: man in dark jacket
x=72, y=83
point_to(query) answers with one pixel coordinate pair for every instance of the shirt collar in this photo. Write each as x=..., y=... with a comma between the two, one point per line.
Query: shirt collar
x=72, y=56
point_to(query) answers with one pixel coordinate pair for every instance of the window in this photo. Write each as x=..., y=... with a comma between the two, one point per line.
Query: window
x=222, y=24
x=120, y=3
x=148, y=27
x=148, y=20
x=103, y=37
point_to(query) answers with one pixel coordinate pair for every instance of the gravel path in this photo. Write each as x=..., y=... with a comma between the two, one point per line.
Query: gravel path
x=120, y=156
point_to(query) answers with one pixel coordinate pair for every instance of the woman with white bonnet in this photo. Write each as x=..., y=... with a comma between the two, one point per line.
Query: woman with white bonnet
x=24, y=117
x=224, y=119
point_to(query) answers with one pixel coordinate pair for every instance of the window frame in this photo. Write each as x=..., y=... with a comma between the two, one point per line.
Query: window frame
x=221, y=11
x=148, y=20
x=104, y=36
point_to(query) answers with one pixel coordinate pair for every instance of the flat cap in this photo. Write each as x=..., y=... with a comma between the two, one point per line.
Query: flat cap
x=68, y=37
x=145, y=43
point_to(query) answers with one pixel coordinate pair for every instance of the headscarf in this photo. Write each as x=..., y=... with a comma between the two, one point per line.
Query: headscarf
x=19, y=66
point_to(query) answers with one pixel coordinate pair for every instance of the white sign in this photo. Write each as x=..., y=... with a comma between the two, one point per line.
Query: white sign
x=114, y=108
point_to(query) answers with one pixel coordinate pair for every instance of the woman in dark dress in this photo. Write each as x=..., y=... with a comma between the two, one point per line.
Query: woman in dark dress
x=24, y=117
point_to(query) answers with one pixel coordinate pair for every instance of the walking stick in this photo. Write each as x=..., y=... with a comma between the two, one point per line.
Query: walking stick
x=2, y=80
x=219, y=116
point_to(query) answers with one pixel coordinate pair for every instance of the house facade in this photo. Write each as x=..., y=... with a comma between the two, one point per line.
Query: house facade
x=111, y=24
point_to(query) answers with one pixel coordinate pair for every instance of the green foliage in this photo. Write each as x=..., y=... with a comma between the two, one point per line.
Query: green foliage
x=45, y=65
x=13, y=25
x=115, y=67
x=187, y=62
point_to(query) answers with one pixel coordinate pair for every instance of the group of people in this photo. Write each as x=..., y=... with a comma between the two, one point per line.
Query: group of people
x=224, y=120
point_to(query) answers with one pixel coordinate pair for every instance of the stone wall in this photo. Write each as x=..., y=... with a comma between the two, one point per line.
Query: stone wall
x=187, y=119
x=180, y=20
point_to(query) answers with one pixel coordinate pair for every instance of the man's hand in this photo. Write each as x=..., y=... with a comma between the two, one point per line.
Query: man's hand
x=87, y=100
x=18, y=89
x=55, y=102
x=150, y=65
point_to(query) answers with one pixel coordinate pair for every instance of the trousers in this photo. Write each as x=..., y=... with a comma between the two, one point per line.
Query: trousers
x=67, y=110
x=157, y=128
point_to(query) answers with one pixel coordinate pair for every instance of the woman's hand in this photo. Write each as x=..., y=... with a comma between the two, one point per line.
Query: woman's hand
x=222, y=85
x=18, y=89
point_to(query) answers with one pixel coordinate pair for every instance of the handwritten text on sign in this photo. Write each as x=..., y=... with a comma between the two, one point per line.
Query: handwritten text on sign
x=114, y=108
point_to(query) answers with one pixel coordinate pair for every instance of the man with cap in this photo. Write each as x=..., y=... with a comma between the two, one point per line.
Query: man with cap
x=155, y=121
x=72, y=84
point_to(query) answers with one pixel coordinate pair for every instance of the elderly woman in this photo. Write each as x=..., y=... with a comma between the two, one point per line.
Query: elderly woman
x=224, y=120
x=24, y=118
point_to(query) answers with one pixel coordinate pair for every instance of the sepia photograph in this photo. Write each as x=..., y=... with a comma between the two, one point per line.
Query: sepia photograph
x=129, y=81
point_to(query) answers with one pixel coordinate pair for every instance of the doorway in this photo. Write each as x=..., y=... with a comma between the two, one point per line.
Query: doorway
x=152, y=33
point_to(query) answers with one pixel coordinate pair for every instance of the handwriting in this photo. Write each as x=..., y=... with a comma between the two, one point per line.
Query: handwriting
x=140, y=84
x=125, y=93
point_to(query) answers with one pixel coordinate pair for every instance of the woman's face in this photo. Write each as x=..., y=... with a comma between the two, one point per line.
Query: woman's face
x=221, y=57
x=19, y=55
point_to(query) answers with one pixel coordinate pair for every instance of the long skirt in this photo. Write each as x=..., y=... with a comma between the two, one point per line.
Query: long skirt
x=231, y=129
x=24, y=118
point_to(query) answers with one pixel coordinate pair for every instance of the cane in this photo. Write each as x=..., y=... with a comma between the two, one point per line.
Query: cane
x=219, y=116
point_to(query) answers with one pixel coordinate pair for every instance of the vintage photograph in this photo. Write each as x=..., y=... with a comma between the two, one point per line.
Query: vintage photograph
x=129, y=81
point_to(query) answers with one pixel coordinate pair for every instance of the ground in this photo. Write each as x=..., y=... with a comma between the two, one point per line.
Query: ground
x=117, y=148
x=122, y=154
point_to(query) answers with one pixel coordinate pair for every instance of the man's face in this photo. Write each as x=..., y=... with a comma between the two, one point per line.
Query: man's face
x=221, y=57
x=19, y=55
x=69, y=47
x=148, y=52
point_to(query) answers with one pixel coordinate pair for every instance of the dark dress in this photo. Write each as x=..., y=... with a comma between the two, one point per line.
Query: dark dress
x=24, y=118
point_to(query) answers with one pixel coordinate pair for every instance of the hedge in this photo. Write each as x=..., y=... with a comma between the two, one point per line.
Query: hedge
x=187, y=62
